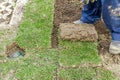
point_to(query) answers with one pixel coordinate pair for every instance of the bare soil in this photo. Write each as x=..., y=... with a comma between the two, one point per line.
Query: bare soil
x=69, y=11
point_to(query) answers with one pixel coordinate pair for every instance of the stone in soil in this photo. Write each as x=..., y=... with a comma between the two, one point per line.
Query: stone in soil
x=6, y=9
x=78, y=32
x=11, y=12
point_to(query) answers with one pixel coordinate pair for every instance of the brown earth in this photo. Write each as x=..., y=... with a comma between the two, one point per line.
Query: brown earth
x=69, y=11
x=65, y=11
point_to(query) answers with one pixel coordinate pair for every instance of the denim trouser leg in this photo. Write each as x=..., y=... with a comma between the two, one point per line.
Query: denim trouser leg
x=110, y=12
x=91, y=12
x=111, y=17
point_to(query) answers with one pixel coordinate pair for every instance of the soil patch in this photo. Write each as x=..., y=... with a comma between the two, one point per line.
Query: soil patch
x=69, y=11
x=14, y=50
x=65, y=11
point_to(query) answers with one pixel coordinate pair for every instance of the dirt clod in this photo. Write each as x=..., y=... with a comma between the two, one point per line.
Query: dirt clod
x=78, y=32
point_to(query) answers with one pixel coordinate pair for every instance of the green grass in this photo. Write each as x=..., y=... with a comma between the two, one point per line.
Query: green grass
x=78, y=52
x=36, y=67
x=40, y=61
x=37, y=24
x=85, y=74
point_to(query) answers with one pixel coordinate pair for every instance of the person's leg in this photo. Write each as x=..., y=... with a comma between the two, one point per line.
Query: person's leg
x=111, y=17
x=91, y=13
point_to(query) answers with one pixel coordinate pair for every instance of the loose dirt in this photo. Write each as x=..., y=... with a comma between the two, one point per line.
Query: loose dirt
x=69, y=11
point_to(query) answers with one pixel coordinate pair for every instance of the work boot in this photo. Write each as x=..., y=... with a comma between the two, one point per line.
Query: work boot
x=78, y=22
x=114, y=47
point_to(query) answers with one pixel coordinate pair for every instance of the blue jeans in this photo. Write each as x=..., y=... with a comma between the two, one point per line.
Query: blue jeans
x=110, y=12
